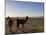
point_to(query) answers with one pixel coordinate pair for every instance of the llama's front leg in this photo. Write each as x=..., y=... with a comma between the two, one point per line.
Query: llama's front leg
x=10, y=28
x=17, y=26
x=22, y=26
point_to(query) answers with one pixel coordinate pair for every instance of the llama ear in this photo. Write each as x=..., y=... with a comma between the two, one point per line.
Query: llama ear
x=26, y=16
x=8, y=17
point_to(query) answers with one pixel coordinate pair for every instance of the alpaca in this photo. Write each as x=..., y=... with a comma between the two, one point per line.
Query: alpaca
x=22, y=22
x=10, y=23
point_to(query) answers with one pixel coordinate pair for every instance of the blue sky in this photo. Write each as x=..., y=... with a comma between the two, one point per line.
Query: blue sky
x=21, y=8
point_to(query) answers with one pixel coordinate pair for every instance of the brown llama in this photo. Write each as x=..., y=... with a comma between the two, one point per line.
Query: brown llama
x=22, y=22
x=10, y=23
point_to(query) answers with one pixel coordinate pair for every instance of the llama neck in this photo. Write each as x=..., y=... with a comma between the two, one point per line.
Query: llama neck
x=25, y=19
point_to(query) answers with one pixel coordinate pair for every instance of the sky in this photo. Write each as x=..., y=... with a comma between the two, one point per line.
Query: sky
x=21, y=8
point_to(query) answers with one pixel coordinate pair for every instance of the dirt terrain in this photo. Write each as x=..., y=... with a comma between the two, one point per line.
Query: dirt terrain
x=33, y=24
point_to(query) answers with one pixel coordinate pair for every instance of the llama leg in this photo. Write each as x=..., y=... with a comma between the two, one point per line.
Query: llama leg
x=9, y=29
x=22, y=26
x=17, y=26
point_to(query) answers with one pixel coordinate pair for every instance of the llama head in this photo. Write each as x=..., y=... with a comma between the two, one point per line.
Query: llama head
x=26, y=17
x=8, y=17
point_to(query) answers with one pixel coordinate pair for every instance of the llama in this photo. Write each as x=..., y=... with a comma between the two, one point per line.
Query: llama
x=10, y=23
x=22, y=22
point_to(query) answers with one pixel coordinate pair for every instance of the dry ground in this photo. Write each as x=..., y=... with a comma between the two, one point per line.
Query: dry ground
x=33, y=24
